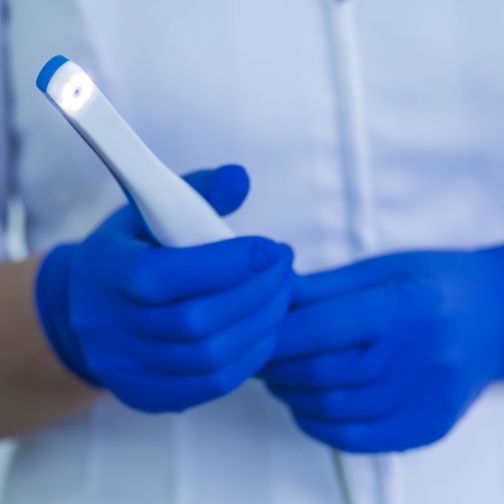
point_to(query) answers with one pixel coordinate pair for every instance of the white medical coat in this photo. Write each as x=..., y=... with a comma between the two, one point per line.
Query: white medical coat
x=366, y=126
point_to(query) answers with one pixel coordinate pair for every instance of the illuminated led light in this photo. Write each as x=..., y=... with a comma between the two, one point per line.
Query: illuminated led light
x=76, y=93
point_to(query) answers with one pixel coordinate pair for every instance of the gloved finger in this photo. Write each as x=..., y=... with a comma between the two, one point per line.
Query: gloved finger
x=352, y=367
x=319, y=369
x=359, y=318
x=225, y=188
x=199, y=317
x=155, y=392
x=361, y=403
x=163, y=275
x=124, y=227
x=338, y=323
x=392, y=433
x=208, y=355
x=361, y=275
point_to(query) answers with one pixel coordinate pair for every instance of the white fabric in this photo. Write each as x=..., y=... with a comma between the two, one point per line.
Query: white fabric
x=366, y=126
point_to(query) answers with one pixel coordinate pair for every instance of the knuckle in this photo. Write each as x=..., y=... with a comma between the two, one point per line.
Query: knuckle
x=437, y=304
x=341, y=437
x=371, y=368
x=450, y=398
x=218, y=385
x=262, y=254
x=439, y=429
x=140, y=283
x=144, y=405
x=345, y=438
x=430, y=300
x=325, y=405
x=379, y=405
x=375, y=373
x=389, y=291
x=314, y=373
x=211, y=358
x=191, y=321
x=446, y=364
x=310, y=428
x=99, y=368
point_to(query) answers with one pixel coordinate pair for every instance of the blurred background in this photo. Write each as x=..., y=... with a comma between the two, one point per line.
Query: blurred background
x=16, y=245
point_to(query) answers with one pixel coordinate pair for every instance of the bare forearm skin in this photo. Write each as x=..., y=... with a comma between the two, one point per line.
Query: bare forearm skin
x=35, y=388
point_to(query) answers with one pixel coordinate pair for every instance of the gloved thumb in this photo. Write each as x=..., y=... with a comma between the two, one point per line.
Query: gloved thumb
x=225, y=188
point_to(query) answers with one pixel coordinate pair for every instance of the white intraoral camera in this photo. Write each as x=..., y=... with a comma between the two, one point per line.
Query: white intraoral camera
x=175, y=213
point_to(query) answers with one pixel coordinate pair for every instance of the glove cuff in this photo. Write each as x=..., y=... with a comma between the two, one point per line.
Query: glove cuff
x=52, y=292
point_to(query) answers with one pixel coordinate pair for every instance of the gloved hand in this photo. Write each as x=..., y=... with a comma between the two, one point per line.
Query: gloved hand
x=389, y=353
x=164, y=329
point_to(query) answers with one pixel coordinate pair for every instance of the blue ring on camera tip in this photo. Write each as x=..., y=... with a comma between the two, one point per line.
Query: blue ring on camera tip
x=50, y=68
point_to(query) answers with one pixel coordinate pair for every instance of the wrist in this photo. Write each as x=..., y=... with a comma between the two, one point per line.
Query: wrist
x=52, y=299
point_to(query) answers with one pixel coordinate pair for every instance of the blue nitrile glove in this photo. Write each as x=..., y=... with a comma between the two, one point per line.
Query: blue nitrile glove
x=164, y=329
x=389, y=353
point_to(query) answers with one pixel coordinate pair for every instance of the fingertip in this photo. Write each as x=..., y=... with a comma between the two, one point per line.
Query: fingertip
x=264, y=253
x=235, y=176
x=286, y=253
x=232, y=183
x=163, y=275
x=225, y=188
